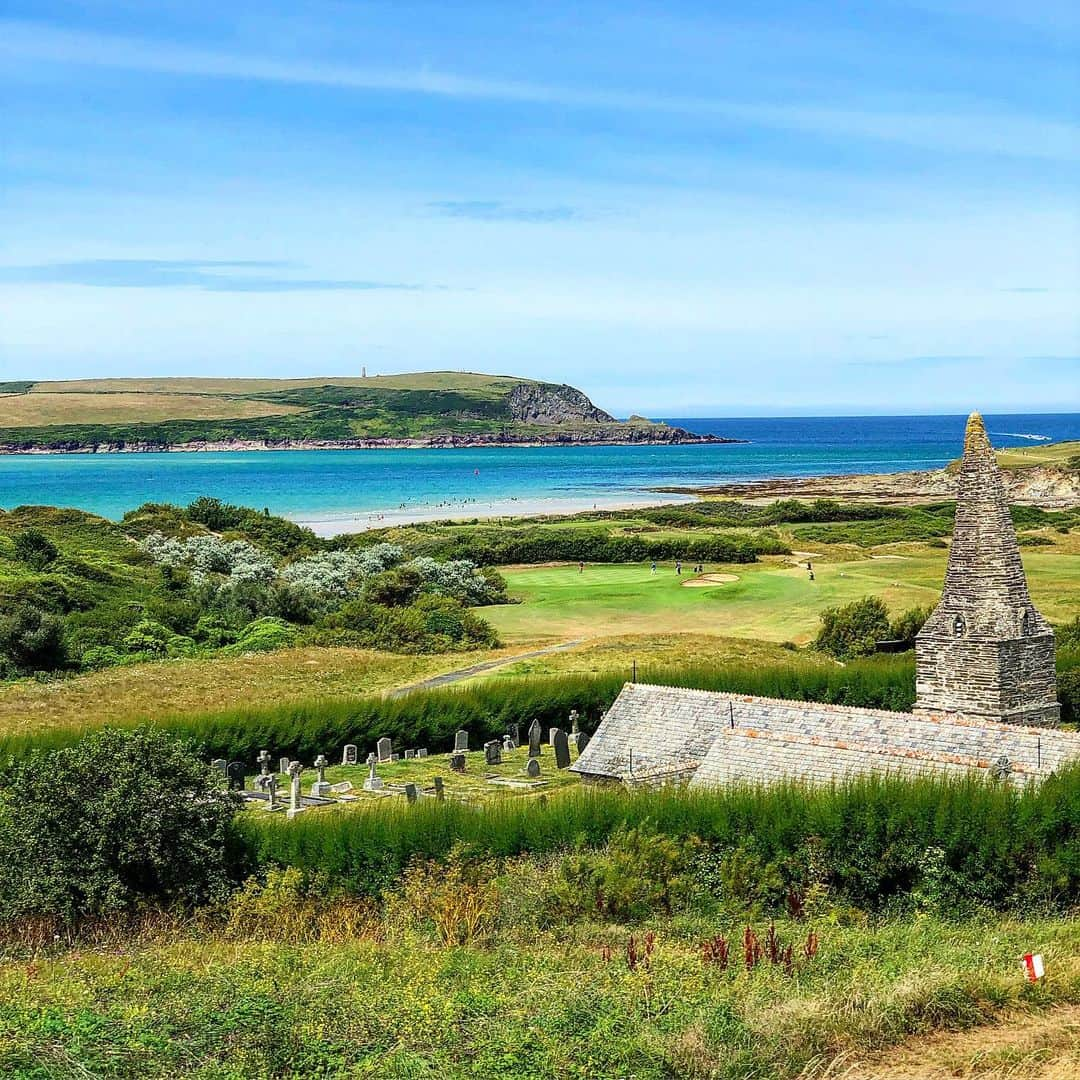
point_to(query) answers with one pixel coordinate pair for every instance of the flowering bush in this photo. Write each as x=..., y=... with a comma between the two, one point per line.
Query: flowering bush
x=334, y=573
x=206, y=555
x=459, y=578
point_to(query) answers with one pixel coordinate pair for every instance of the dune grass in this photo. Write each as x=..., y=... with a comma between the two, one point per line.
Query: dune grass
x=181, y=687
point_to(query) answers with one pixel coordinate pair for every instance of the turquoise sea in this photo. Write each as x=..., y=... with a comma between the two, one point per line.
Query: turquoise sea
x=339, y=490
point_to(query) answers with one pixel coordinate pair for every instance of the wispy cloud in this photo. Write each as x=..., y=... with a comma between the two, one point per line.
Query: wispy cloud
x=208, y=275
x=939, y=125
x=479, y=210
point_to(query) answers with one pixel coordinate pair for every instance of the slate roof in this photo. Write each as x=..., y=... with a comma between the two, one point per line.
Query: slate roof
x=718, y=738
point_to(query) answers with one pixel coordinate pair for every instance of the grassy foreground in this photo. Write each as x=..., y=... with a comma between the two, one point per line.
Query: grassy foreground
x=393, y=1003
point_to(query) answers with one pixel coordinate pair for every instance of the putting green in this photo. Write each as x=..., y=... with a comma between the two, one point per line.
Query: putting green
x=771, y=600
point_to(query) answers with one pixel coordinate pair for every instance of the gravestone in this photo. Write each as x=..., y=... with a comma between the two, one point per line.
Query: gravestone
x=534, y=739
x=513, y=731
x=268, y=782
x=582, y=741
x=220, y=766
x=551, y=735
x=562, y=749
x=461, y=742
x=439, y=792
x=342, y=787
x=264, y=762
x=409, y=754
x=508, y=744
x=296, y=805
x=457, y=762
x=320, y=787
x=373, y=782
x=410, y=792
x=349, y=756
x=532, y=769
x=493, y=752
x=574, y=717
x=384, y=750
x=421, y=753
x=283, y=766
x=236, y=775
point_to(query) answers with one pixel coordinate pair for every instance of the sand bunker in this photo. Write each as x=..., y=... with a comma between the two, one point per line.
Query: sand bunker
x=710, y=579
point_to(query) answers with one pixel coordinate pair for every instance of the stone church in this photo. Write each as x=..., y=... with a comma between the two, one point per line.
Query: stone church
x=986, y=697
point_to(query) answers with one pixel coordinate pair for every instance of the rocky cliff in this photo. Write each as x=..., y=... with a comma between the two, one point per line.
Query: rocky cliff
x=545, y=403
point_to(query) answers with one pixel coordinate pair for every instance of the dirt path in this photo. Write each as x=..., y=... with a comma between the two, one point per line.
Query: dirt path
x=1021, y=1047
x=478, y=669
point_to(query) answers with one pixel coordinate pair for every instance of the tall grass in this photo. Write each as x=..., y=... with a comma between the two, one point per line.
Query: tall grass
x=305, y=729
x=876, y=837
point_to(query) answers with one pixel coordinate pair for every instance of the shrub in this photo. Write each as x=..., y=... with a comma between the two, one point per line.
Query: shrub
x=907, y=624
x=853, y=630
x=637, y=872
x=35, y=549
x=99, y=657
x=31, y=640
x=121, y=820
x=148, y=637
x=263, y=635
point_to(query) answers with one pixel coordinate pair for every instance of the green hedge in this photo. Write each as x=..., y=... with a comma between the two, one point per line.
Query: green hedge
x=871, y=840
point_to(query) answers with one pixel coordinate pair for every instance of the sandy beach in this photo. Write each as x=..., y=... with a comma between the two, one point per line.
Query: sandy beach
x=334, y=524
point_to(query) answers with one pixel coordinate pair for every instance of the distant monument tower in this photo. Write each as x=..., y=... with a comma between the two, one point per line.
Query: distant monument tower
x=985, y=653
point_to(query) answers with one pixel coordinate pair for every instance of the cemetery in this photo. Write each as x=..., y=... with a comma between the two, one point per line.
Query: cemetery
x=468, y=774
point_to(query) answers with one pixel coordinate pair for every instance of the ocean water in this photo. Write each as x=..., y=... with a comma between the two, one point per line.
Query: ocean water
x=338, y=490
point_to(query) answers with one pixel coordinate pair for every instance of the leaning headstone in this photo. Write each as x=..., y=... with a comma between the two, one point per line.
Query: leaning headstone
x=461, y=741
x=283, y=766
x=440, y=793
x=493, y=752
x=264, y=762
x=296, y=804
x=384, y=750
x=320, y=788
x=532, y=769
x=534, y=739
x=457, y=762
x=410, y=792
x=236, y=775
x=268, y=783
x=562, y=749
x=220, y=766
x=343, y=787
x=349, y=755
x=373, y=782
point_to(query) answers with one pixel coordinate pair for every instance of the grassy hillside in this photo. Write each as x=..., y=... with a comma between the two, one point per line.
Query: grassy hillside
x=149, y=413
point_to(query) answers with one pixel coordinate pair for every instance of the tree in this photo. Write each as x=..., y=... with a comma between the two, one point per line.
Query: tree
x=120, y=821
x=31, y=640
x=853, y=630
x=908, y=623
x=35, y=549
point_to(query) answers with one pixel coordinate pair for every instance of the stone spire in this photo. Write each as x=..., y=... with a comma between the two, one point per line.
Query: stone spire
x=985, y=651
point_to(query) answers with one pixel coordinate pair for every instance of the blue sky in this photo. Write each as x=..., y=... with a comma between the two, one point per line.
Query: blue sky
x=683, y=208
